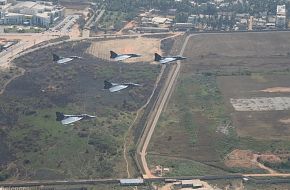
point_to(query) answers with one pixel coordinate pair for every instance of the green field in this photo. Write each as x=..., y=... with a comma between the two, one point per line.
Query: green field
x=200, y=124
x=36, y=146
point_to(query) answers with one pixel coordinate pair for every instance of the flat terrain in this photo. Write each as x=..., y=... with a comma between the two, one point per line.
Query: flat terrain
x=201, y=124
x=144, y=46
x=35, y=146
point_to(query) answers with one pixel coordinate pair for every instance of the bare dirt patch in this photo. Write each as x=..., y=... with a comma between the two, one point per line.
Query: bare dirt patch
x=269, y=158
x=256, y=113
x=249, y=159
x=144, y=46
x=75, y=31
x=276, y=89
x=241, y=158
x=285, y=121
x=261, y=103
x=82, y=11
x=128, y=26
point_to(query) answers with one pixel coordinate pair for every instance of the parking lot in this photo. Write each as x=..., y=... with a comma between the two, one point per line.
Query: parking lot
x=66, y=25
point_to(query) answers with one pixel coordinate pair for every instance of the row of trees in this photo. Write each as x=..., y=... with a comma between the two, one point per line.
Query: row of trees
x=185, y=7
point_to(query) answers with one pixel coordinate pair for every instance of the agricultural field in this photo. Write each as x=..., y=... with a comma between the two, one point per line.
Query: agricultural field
x=33, y=145
x=229, y=110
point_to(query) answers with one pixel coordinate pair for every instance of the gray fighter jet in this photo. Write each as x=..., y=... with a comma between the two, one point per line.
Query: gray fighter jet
x=115, y=87
x=63, y=60
x=68, y=119
x=164, y=60
x=121, y=57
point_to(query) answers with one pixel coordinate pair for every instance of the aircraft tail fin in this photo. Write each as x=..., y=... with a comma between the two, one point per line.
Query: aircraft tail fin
x=59, y=116
x=157, y=57
x=107, y=84
x=113, y=54
x=55, y=57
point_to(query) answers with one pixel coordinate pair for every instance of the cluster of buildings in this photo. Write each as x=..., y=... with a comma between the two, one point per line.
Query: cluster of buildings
x=177, y=184
x=151, y=21
x=30, y=13
x=242, y=21
x=264, y=21
x=222, y=20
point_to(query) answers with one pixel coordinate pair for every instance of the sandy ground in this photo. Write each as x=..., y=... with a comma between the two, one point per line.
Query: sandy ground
x=69, y=11
x=285, y=121
x=205, y=186
x=144, y=46
x=128, y=26
x=276, y=89
x=25, y=41
x=261, y=103
x=248, y=159
x=75, y=31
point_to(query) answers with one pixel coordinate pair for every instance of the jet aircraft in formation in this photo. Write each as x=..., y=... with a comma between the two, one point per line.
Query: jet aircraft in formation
x=112, y=87
x=121, y=57
x=62, y=60
x=68, y=119
x=164, y=60
x=115, y=87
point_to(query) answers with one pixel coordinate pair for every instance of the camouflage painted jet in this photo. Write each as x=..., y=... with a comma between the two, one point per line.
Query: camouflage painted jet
x=68, y=119
x=121, y=57
x=164, y=60
x=63, y=60
x=115, y=87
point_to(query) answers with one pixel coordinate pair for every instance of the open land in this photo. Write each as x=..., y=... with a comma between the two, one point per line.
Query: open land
x=144, y=46
x=37, y=147
x=200, y=123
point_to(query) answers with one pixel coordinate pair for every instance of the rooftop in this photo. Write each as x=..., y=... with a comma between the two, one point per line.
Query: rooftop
x=131, y=181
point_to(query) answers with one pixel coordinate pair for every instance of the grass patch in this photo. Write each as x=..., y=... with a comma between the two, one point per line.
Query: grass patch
x=45, y=149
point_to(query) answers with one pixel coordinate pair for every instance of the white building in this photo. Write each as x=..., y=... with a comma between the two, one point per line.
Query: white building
x=281, y=16
x=31, y=13
x=193, y=19
x=159, y=20
x=3, y=8
x=281, y=10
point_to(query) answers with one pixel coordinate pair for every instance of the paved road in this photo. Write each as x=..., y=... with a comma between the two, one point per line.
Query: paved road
x=161, y=100
x=58, y=182
x=156, y=112
x=7, y=55
x=44, y=183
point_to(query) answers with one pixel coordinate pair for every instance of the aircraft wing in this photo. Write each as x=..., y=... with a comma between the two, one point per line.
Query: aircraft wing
x=167, y=59
x=117, y=88
x=64, y=60
x=122, y=57
x=75, y=57
x=70, y=120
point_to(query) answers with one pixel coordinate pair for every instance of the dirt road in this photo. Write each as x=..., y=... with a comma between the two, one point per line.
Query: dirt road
x=156, y=112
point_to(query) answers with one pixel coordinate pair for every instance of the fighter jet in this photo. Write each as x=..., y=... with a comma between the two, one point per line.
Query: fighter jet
x=63, y=60
x=164, y=60
x=115, y=87
x=121, y=57
x=68, y=119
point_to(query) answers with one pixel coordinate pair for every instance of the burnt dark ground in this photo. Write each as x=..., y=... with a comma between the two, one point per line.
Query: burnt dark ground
x=76, y=87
